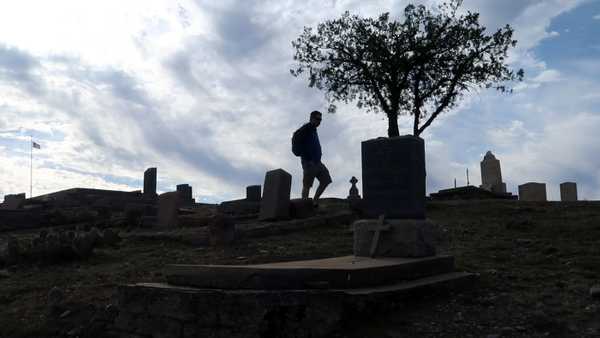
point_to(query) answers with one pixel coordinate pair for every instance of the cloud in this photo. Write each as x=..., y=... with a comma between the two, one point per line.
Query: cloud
x=18, y=68
x=596, y=17
x=202, y=91
x=548, y=75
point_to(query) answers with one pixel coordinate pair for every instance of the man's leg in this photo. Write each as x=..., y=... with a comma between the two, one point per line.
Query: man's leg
x=320, y=189
x=305, y=191
x=307, y=180
x=324, y=180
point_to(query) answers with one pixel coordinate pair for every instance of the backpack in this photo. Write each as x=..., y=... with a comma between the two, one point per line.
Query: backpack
x=297, y=142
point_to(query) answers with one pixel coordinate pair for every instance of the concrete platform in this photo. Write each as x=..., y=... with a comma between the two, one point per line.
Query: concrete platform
x=348, y=272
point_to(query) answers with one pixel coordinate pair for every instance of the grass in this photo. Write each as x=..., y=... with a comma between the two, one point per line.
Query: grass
x=537, y=262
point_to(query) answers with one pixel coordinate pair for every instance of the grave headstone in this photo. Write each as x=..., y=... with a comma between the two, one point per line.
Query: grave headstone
x=301, y=208
x=221, y=230
x=253, y=193
x=168, y=209
x=532, y=191
x=393, y=171
x=568, y=191
x=491, y=175
x=185, y=193
x=150, y=182
x=275, y=203
x=13, y=202
x=353, y=193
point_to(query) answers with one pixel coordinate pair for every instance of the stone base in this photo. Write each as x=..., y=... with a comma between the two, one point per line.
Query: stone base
x=403, y=238
x=163, y=310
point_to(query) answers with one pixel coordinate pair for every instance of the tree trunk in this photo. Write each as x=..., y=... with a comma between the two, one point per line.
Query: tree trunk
x=416, y=123
x=393, y=125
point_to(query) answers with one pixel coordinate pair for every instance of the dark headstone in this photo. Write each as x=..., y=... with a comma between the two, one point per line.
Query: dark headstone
x=275, y=203
x=239, y=207
x=253, y=193
x=150, y=182
x=13, y=250
x=83, y=244
x=394, y=177
x=110, y=237
x=302, y=208
x=568, y=191
x=185, y=193
x=532, y=191
x=12, y=202
x=168, y=209
x=221, y=230
x=56, y=298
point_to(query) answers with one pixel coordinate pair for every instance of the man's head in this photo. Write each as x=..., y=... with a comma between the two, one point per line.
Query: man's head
x=315, y=118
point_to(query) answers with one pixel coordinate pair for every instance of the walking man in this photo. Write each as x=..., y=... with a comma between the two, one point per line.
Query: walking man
x=305, y=143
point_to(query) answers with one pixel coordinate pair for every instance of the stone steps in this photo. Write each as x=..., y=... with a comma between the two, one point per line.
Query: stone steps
x=165, y=310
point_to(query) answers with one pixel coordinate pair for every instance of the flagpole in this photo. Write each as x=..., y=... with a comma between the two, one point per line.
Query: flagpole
x=31, y=166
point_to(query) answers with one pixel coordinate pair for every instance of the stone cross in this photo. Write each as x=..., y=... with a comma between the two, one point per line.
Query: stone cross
x=377, y=233
x=353, y=194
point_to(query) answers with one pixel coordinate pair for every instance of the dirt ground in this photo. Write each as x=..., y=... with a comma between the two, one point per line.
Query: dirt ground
x=537, y=263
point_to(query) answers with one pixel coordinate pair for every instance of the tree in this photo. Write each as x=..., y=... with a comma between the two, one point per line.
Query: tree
x=419, y=66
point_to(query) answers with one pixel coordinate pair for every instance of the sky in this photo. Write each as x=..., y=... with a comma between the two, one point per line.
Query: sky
x=202, y=91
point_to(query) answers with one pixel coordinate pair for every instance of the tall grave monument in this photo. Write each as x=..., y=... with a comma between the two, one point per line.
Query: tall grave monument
x=185, y=194
x=491, y=176
x=393, y=200
x=150, y=182
x=275, y=203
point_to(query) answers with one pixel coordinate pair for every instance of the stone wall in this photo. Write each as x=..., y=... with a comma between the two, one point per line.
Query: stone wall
x=167, y=311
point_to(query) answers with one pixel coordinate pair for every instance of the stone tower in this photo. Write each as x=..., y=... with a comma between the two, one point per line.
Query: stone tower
x=491, y=176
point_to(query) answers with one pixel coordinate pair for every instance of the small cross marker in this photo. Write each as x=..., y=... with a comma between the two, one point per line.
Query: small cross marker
x=378, y=229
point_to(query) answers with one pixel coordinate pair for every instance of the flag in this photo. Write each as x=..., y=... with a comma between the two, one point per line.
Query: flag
x=35, y=145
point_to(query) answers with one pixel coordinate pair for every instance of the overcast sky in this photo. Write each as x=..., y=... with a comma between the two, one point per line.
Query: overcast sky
x=202, y=91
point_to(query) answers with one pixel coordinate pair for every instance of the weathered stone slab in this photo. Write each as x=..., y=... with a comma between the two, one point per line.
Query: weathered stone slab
x=568, y=191
x=532, y=191
x=150, y=182
x=253, y=193
x=398, y=238
x=275, y=203
x=168, y=209
x=302, y=208
x=393, y=171
x=338, y=272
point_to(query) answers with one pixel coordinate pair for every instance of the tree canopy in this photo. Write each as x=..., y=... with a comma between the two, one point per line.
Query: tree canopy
x=420, y=66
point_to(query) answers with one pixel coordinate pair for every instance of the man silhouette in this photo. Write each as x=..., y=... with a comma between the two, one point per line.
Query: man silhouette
x=311, y=158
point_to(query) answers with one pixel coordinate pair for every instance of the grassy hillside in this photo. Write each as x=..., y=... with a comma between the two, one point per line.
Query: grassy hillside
x=537, y=262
